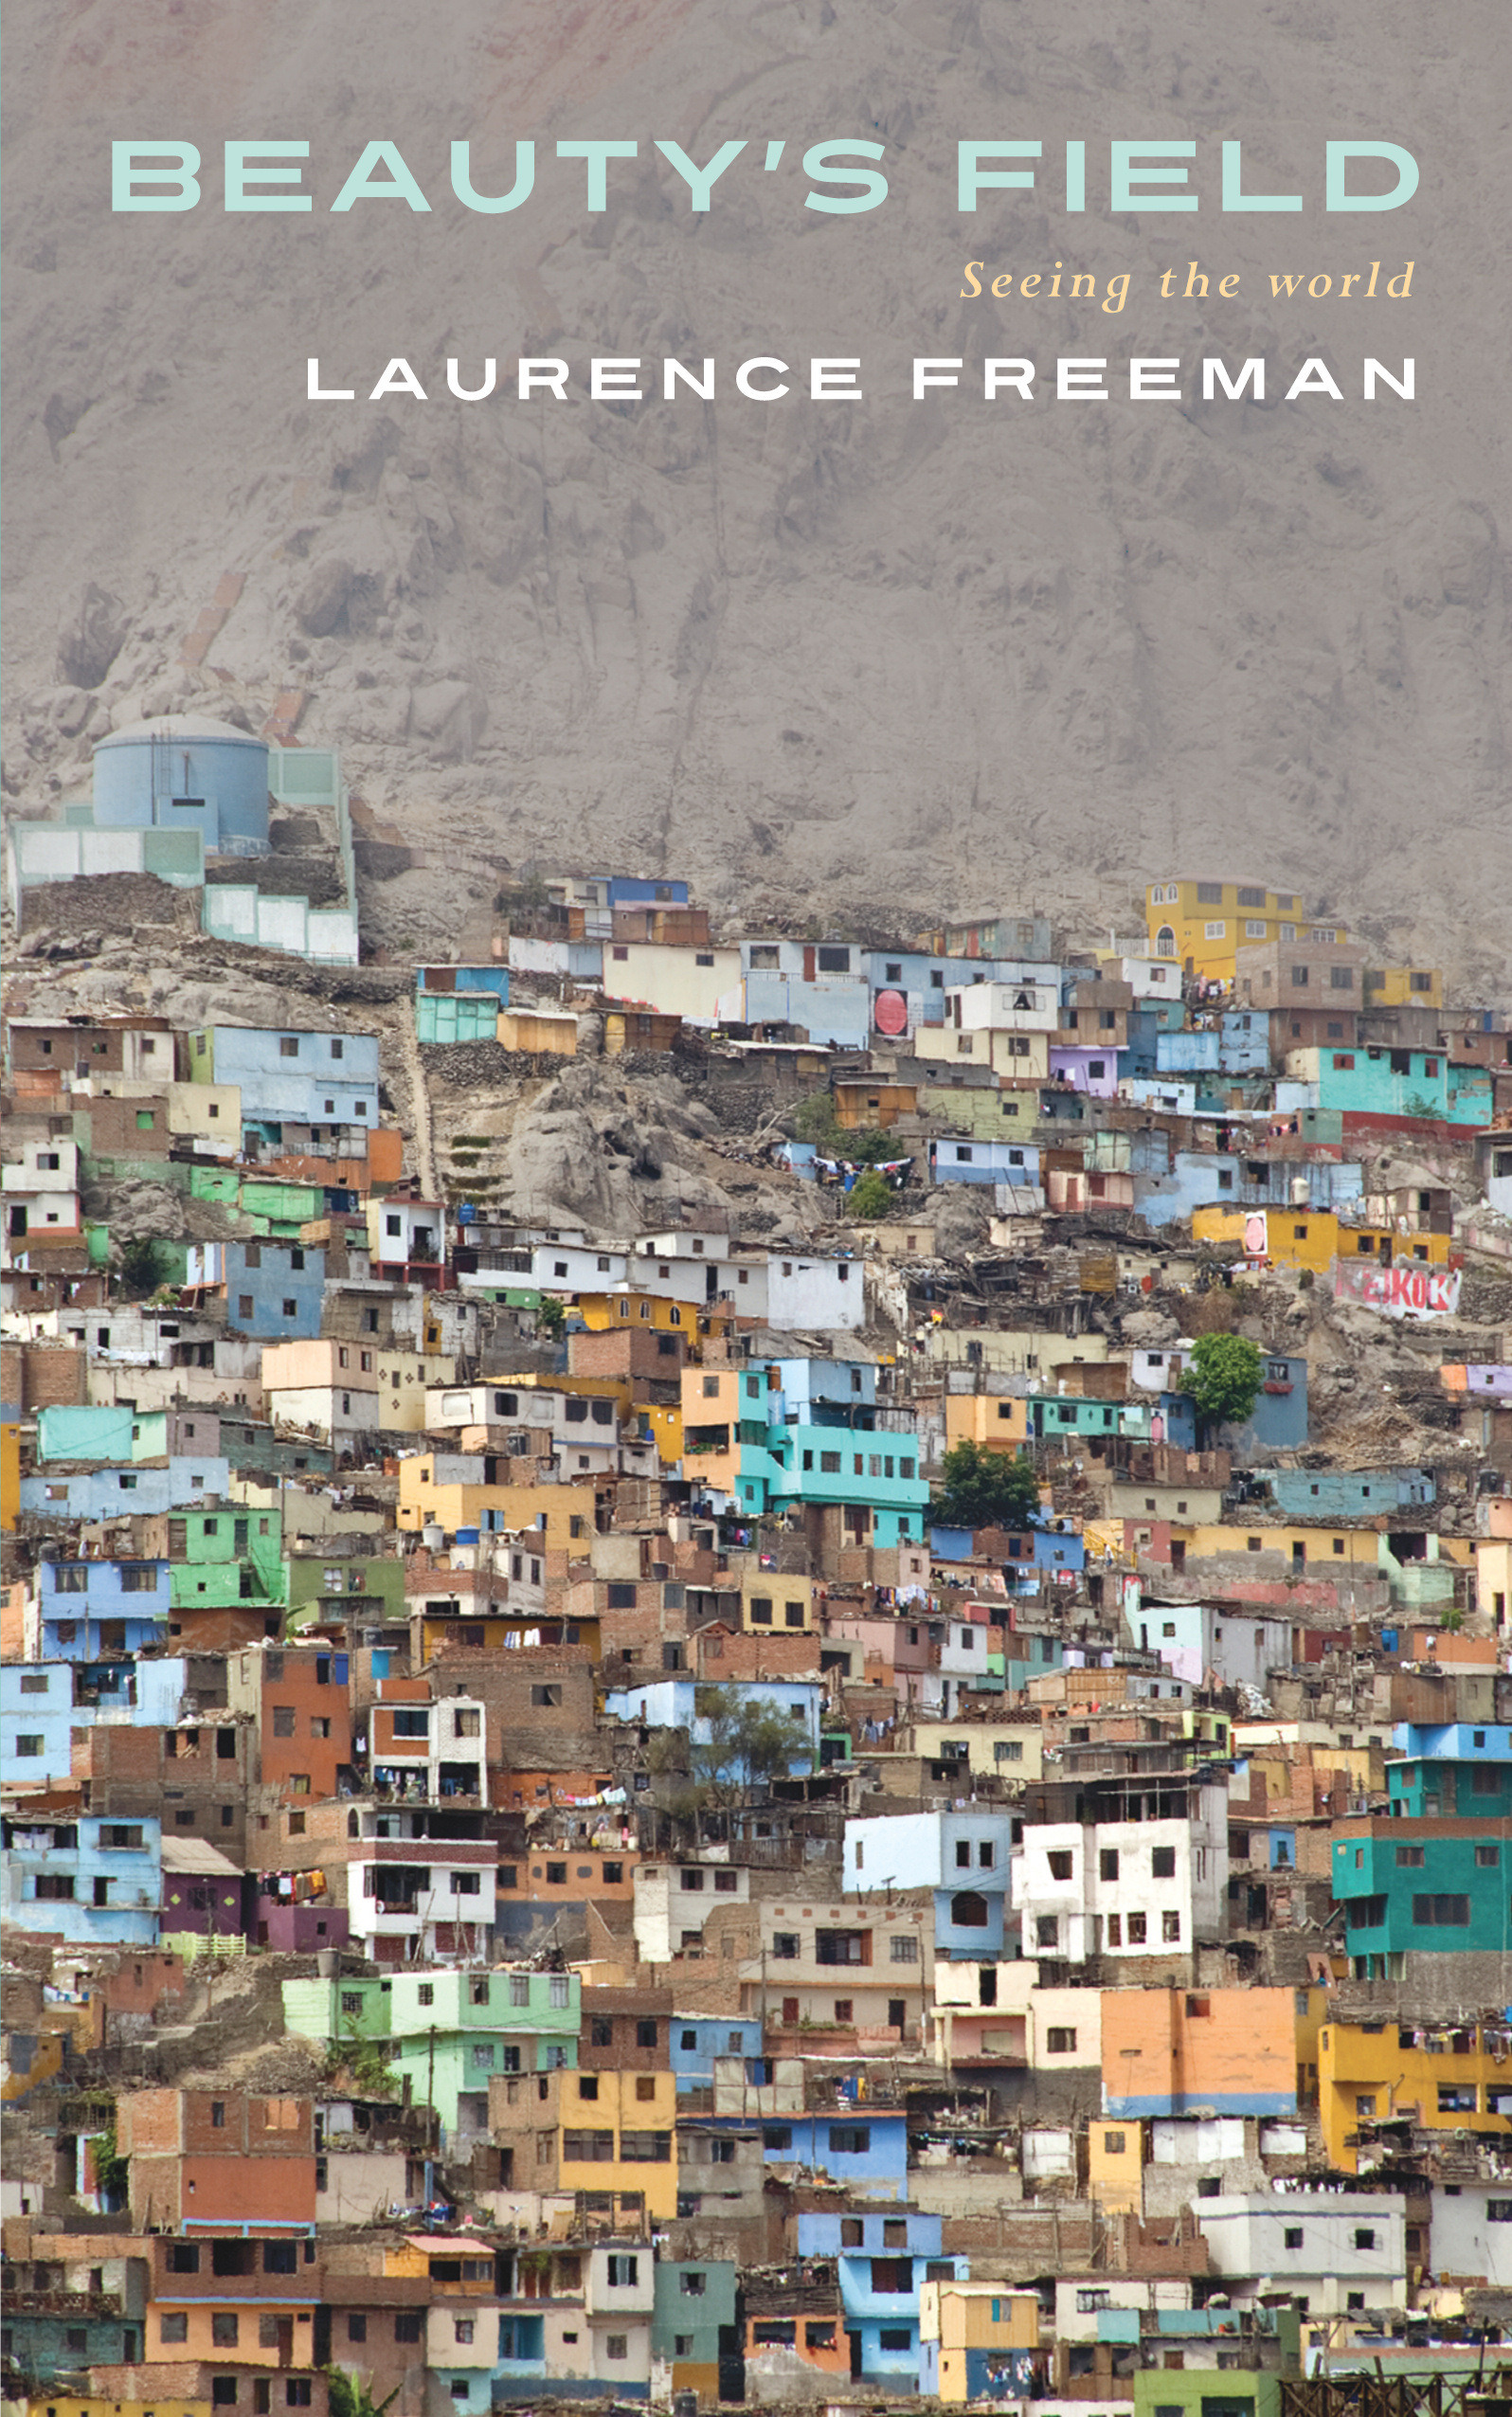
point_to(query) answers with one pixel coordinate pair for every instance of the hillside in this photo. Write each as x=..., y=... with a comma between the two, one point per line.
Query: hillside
x=939, y=653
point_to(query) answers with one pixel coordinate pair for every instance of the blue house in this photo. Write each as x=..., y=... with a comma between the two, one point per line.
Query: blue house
x=1350, y=1493
x=868, y=2147
x=961, y=1856
x=953, y=1161
x=1278, y=1422
x=90, y=1608
x=1452, y=1769
x=36, y=1722
x=697, y=2039
x=94, y=1882
x=104, y=1493
x=881, y=2259
x=273, y=1289
x=291, y=1077
x=822, y=988
x=824, y=1393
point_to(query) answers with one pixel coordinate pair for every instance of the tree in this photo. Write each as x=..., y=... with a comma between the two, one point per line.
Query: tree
x=871, y=1196
x=551, y=1316
x=349, y=2398
x=741, y=1743
x=986, y=1489
x=141, y=1266
x=1223, y=1376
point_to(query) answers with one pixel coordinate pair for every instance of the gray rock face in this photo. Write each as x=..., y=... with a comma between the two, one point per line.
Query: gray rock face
x=92, y=635
x=945, y=654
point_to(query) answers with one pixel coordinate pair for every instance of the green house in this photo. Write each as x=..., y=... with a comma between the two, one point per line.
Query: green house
x=449, y=2033
x=225, y=1556
x=326, y=1586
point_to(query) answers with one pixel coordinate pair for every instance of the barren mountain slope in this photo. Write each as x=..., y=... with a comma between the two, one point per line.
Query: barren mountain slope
x=936, y=653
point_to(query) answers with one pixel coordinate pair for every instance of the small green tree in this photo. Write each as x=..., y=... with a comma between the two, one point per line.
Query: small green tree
x=871, y=1196
x=551, y=1317
x=1223, y=1376
x=349, y=2398
x=814, y=1120
x=741, y=1744
x=985, y=1489
x=141, y=1267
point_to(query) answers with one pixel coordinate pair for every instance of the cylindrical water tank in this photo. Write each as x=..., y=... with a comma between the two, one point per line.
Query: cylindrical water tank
x=183, y=771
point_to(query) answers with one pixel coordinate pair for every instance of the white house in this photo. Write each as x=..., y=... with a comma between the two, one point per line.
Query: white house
x=1338, y=2251
x=1123, y=1887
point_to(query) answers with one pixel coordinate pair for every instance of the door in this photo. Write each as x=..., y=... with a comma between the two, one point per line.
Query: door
x=855, y=2340
x=897, y=2015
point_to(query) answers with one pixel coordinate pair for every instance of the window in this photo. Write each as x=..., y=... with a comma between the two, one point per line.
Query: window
x=785, y=1944
x=1409, y=1858
x=1059, y=2041
x=1291, y=2237
x=173, y=2327
x=223, y=2332
x=410, y=2325
x=1137, y=1930
x=617, y=2345
x=1364, y=2237
x=1441, y=1912
x=646, y=2033
x=850, y=2139
x=1171, y=1928
x=694, y=2285
x=904, y=1950
x=1163, y=1863
x=1108, y=1862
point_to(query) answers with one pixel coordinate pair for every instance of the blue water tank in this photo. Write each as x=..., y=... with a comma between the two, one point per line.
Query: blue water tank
x=183, y=771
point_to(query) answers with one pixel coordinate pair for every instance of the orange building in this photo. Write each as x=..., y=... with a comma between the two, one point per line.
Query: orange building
x=1178, y=2052
x=203, y=2158
x=298, y=1696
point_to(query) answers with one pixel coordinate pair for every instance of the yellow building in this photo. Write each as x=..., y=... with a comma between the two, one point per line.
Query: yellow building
x=625, y=1306
x=403, y=1377
x=1115, y=2165
x=772, y=1604
x=1444, y=2080
x=560, y=1517
x=608, y=2133
x=1312, y=1239
x=9, y=1477
x=1203, y=924
x=995, y=1421
x=1404, y=986
x=966, y=2328
x=159, y=2388
x=978, y=1746
x=1493, y=1579
x=1013, y=1056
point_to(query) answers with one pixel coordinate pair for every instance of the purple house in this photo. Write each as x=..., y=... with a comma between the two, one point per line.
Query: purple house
x=204, y=1893
x=300, y=1927
x=1093, y=1070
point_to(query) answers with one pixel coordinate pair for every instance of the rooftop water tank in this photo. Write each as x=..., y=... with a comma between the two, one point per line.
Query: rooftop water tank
x=181, y=771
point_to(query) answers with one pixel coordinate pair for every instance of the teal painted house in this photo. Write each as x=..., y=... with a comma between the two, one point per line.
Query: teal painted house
x=1403, y=1086
x=1455, y=1770
x=1423, y=1887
